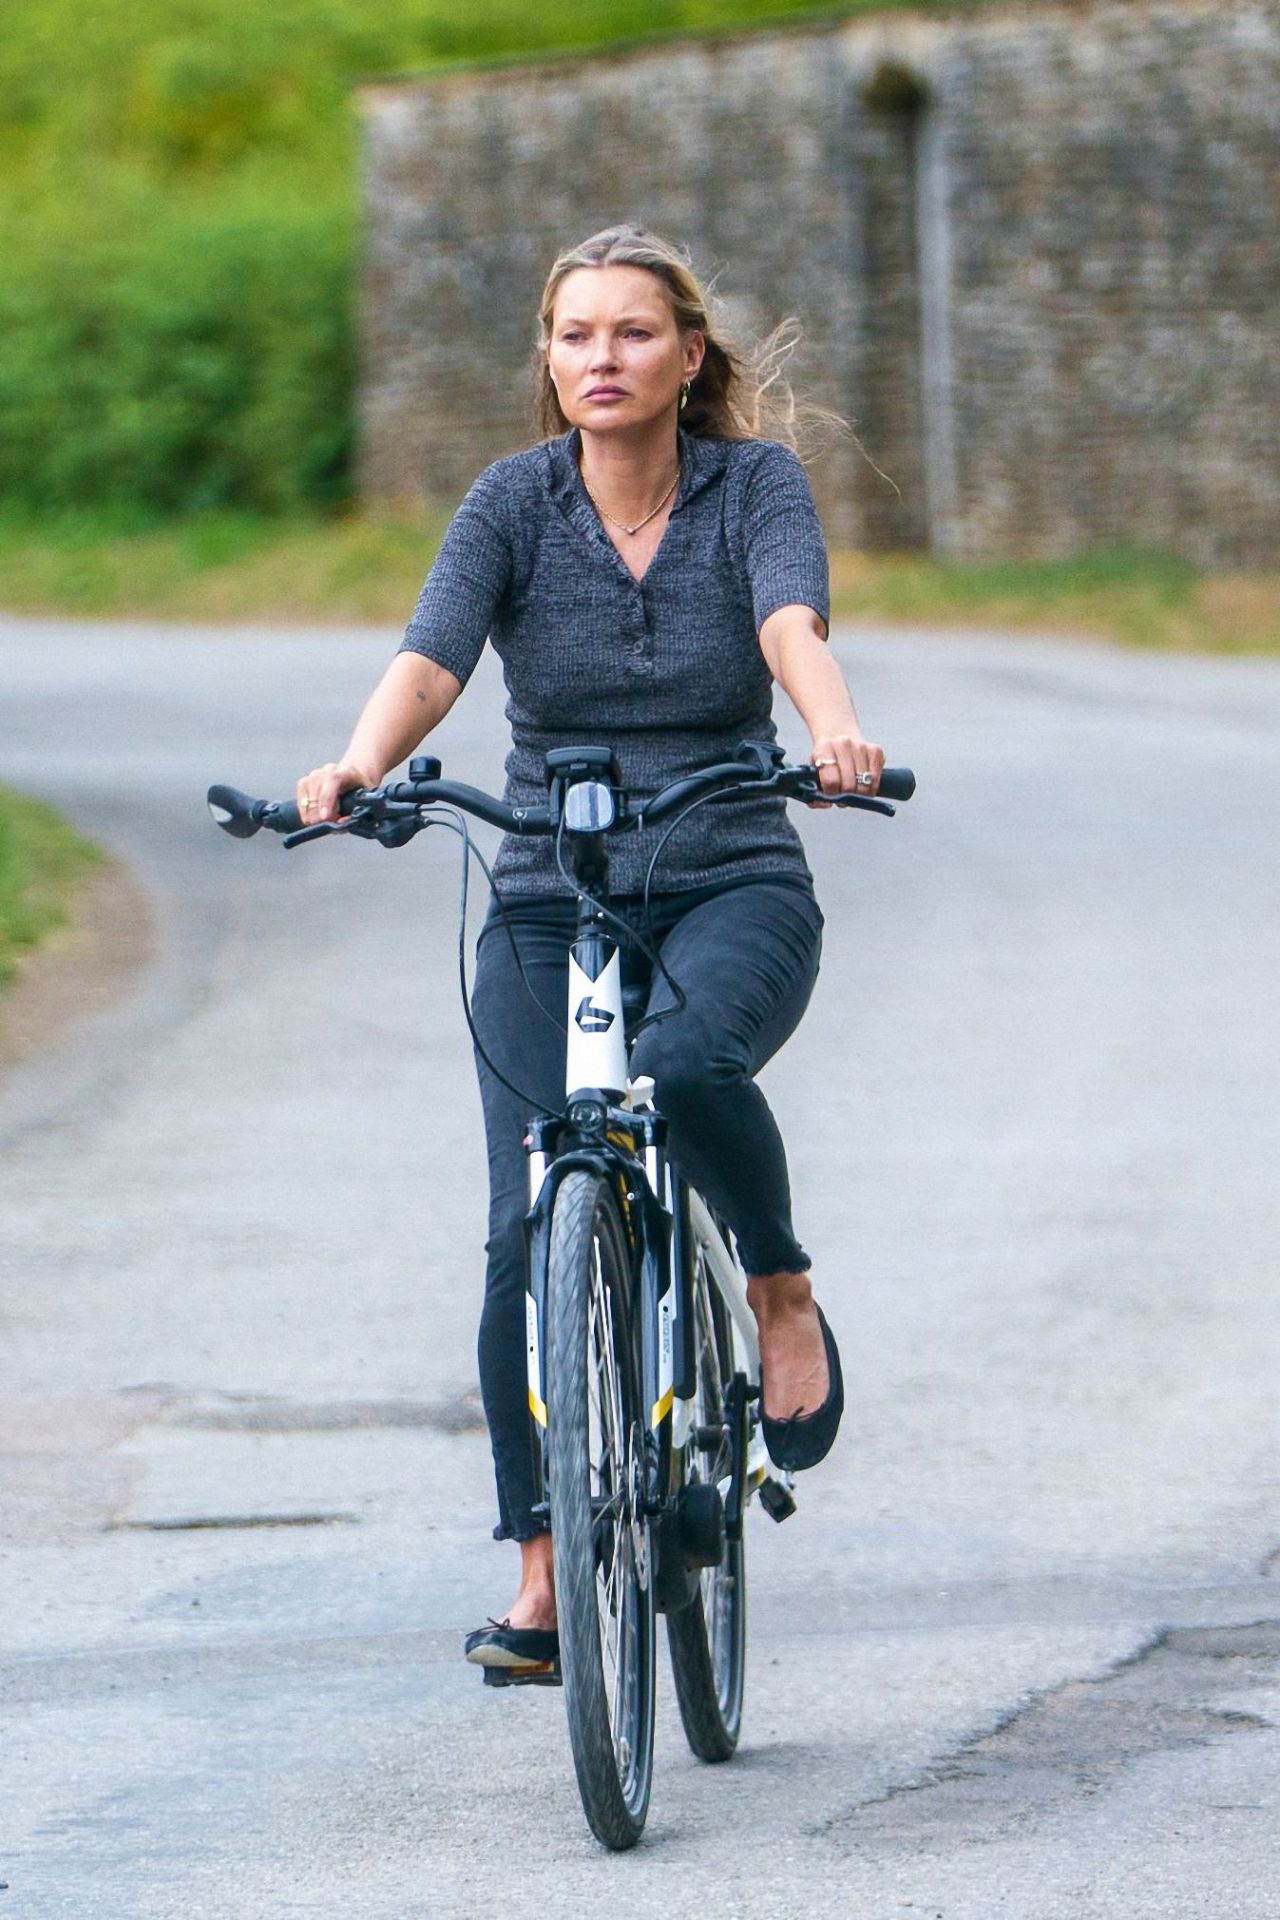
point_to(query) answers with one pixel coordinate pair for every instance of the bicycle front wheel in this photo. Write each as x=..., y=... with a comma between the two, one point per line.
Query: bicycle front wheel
x=708, y=1638
x=599, y=1531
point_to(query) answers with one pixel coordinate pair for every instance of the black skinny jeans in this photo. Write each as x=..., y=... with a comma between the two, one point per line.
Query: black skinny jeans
x=746, y=956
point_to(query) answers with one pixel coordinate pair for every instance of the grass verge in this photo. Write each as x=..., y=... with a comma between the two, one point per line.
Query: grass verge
x=1131, y=598
x=234, y=567
x=218, y=566
x=42, y=862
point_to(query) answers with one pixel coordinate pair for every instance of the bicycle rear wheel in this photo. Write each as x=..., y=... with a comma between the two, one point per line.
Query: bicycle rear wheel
x=599, y=1532
x=708, y=1638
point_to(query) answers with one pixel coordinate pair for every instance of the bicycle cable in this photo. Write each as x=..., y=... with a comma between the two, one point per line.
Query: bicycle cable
x=443, y=815
x=455, y=820
x=644, y=940
x=699, y=800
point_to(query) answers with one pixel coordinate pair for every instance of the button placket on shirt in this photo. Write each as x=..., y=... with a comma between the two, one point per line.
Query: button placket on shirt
x=637, y=626
x=642, y=643
x=637, y=634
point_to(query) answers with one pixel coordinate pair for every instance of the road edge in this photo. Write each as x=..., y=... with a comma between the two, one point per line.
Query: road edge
x=83, y=967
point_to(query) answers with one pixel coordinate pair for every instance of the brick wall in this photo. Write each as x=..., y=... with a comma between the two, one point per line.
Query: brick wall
x=1036, y=255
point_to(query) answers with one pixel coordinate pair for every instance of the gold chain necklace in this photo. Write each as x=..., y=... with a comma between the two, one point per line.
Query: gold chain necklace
x=639, y=523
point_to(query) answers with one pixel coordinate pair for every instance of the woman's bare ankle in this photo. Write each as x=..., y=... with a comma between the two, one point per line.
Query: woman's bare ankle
x=535, y=1604
x=793, y=1355
x=778, y=1294
x=533, y=1609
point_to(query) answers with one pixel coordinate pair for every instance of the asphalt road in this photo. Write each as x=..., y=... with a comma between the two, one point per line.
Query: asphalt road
x=1018, y=1654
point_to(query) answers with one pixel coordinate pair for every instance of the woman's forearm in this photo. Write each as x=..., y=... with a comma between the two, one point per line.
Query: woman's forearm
x=412, y=697
x=795, y=646
x=804, y=666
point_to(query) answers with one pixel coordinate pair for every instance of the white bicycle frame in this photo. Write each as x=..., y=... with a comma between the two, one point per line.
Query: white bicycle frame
x=596, y=1061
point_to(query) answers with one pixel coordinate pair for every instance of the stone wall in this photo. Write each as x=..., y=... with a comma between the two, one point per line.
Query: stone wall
x=1036, y=255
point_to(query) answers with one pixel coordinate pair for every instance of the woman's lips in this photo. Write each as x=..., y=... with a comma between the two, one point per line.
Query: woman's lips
x=606, y=393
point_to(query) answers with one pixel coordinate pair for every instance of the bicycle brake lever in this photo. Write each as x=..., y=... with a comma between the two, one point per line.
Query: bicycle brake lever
x=318, y=832
x=812, y=795
x=858, y=800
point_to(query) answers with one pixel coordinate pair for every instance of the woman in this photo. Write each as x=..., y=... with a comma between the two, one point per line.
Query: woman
x=645, y=574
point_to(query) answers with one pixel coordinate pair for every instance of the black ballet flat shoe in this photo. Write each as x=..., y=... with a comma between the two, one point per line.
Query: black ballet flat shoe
x=806, y=1438
x=515, y=1656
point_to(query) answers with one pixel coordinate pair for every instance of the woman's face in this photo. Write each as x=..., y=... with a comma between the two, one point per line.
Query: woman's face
x=616, y=355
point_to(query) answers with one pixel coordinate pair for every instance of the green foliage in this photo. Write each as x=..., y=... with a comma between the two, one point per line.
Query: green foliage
x=208, y=363
x=42, y=860
x=178, y=223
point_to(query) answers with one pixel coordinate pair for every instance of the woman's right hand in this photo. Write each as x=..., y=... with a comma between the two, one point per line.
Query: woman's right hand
x=317, y=791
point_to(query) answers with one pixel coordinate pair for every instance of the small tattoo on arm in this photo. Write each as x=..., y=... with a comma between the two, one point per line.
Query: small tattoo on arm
x=418, y=694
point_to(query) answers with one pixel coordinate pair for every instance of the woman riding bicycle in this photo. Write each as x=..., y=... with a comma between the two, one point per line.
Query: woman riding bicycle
x=645, y=573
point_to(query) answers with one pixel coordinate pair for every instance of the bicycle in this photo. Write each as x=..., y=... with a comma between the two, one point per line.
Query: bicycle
x=643, y=1362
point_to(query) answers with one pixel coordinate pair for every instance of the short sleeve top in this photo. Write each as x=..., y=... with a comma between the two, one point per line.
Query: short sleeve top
x=667, y=671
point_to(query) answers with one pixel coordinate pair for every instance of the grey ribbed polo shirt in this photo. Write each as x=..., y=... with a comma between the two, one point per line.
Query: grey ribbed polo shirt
x=667, y=671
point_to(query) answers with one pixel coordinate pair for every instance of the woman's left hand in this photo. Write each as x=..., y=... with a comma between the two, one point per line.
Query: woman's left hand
x=847, y=763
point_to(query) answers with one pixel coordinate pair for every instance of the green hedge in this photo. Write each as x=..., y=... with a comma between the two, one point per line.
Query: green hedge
x=209, y=363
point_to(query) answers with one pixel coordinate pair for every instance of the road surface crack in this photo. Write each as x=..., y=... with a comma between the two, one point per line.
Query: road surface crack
x=1072, y=1741
x=274, y=1413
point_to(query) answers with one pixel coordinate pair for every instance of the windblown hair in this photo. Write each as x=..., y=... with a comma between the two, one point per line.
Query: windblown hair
x=738, y=394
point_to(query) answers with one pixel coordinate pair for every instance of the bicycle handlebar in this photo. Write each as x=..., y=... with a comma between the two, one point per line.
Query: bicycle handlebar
x=367, y=808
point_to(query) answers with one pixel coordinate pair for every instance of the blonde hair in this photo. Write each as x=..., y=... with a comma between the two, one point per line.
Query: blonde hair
x=737, y=394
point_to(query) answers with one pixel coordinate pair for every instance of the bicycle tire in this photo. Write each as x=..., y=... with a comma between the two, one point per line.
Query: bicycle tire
x=601, y=1544
x=707, y=1639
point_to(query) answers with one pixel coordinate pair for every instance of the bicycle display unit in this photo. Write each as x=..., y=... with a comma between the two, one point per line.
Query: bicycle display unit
x=643, y=1362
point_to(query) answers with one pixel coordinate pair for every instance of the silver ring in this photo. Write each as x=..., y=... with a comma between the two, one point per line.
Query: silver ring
x=866, y=780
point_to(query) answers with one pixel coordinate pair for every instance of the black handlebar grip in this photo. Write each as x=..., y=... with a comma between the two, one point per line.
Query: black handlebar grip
x=238, y=814
x=282, y=816
x=896, y=783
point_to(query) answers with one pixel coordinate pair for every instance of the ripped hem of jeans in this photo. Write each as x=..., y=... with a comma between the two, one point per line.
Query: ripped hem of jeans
x=529, y=1532
x=800, y=1265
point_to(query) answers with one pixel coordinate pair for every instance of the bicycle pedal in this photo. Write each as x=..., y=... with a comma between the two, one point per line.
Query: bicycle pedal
x=544, y=1676
x=778, y=1501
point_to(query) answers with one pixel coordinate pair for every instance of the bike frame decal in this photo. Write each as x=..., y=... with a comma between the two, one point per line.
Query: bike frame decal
x=533, y=1350
x=596, y=1055
x=666, y=1373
